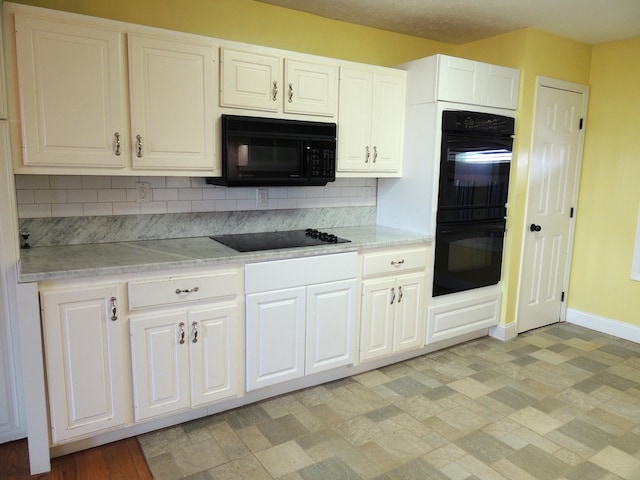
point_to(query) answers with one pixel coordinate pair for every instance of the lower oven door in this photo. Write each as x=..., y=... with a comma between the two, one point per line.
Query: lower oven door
x=468, y=256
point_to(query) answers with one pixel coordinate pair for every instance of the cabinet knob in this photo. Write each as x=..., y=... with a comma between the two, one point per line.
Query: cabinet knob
x=399, y=294
x=275, y=91
x=187, y=290
x=375, y=153
x=367, y=154
x=393, y=295
x=290, y=93
x=399, y=262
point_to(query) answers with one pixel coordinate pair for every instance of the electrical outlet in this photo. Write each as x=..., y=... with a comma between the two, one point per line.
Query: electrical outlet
x=143, y=192
x=262, y=197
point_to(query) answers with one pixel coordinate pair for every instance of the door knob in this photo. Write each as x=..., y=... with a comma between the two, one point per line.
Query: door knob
x=535, y=228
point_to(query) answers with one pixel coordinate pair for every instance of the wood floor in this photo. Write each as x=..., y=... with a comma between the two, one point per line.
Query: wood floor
x=121, y=460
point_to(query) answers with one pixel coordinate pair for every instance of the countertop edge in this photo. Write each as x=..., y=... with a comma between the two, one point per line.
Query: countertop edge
x=378, y=238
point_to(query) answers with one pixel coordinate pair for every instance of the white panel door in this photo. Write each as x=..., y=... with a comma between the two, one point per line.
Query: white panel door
x=275, y=337
x=214, y=353
x=387, y=126
x=331, y=325
x=554, y=168
x=310, y=88
x=172, y=103
x=160, y=358
x=410, y=317
x=377, y=318
x=83, y=350
x=72, y=85
x=251, y=81
x=354, y=120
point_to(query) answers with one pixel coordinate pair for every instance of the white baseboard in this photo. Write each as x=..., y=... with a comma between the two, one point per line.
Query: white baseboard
x=609, y=326
x=504, y=331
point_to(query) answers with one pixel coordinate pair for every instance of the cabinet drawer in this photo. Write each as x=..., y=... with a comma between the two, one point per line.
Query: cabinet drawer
x=176, y=290
x=394, y=261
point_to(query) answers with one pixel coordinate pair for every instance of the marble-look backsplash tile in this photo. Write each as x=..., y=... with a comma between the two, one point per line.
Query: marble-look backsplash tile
x=123, y=228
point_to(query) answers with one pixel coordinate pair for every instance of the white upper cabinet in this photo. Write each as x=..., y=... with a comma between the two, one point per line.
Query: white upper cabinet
x=250, y=81
x=72, y=93
x=172, y=103
x=459, y=80
x=270, y=83
x=371, y=121
x=78, y=116
x=310, y=88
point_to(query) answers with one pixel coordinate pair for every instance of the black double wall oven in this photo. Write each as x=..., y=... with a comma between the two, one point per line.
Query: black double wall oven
x=473, y=187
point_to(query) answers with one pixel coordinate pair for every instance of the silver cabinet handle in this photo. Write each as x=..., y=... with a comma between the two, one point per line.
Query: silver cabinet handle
x=400, y=262
x=290, y=93
x=275, y=91
x=181, y=326
x=375, y=153
x=118, y=144
x=367, y=155
x=114, y=309
x=139, y=138
x=393, y=295
x=195, y=332
x=187, y=290
x=399, y=294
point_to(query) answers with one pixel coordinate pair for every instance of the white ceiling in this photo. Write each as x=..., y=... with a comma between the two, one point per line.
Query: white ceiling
x=461, y=21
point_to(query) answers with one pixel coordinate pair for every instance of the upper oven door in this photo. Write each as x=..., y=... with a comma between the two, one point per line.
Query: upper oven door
x=474, y=172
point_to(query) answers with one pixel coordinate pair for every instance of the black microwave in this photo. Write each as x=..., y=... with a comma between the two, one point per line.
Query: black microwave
x=276, y=152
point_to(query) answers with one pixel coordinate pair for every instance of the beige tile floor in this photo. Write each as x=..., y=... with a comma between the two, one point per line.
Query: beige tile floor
x=561, y=402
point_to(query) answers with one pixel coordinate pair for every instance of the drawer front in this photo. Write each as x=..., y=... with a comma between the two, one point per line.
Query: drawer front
x=296, y=272
x=394, y=261
x=177, y=290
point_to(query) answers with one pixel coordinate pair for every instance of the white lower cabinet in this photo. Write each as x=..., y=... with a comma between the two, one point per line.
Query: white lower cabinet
x=183, y=359
x=305, y=327
x=185, y=341
x=392, y=311
x=84, y=358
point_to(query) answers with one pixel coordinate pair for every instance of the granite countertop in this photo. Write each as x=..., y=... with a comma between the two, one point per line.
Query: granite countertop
x=77, y=261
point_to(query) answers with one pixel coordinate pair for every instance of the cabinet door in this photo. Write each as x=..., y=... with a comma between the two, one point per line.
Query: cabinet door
x=331, y=325
x=387, y=126
x=160, y=363
x=459, y=80
x=501, y=87
x=376, y=327
x=83, y=349
x=214, y=353
x=172, y=101
x=71, y=81
x=251, y=81
x=310, y=88
x=354, y=120
x=410, y=318
x=275, y=337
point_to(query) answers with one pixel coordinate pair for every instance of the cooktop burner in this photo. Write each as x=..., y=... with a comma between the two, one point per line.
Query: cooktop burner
x=250, y=242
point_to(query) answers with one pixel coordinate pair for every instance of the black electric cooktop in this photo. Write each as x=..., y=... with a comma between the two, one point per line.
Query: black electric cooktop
x=250, y=242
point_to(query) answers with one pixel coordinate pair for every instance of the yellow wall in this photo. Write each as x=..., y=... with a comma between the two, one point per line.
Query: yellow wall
x=610, y=188
x=605, y=232
x=260, y=24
